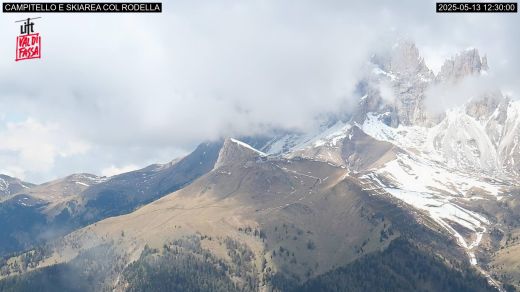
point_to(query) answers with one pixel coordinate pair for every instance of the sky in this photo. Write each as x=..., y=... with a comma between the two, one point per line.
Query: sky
x=116, y=92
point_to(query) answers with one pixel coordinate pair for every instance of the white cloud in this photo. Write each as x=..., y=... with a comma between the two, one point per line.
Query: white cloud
x=443, y=96
x=113, y=170
x=387, y=92
x=145, y=88
x=434, y=57
x=34, y=146
x=14, y=171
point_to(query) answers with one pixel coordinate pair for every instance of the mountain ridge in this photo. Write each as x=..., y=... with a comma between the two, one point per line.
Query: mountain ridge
x=298, y=207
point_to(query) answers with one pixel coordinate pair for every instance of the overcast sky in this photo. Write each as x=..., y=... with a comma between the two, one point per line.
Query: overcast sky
x=117, y=92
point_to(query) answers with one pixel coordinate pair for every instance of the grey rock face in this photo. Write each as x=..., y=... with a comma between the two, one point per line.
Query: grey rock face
x=404, y=69
x=409, y=78
x=406, y=61
x=371, y=102
x=482, y=108
x=485, y=135
x=464, y=64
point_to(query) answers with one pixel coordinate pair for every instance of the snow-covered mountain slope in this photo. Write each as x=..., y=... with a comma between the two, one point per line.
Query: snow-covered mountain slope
x=445, y=195
x=348, y=147
x=290, y=142
x=460, y=141
x=454, y=168
x=482, y=135
x=509, y=144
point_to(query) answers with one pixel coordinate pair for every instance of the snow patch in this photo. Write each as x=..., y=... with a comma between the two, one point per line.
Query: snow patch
x=247, y=146
x=442, y=211
x=80, y=183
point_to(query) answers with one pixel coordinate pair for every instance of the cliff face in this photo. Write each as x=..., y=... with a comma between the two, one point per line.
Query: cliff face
x=404, y=72
x=482, y=134
x=464, y=64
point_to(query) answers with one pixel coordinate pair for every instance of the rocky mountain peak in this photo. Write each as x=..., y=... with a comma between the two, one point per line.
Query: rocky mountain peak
x=405, y=59
x=404, y=76
x=402, y=60
x=483, y=107
x=403, y=72
x=464, y=64
x=484, y=65
x=10, y=185
x=235, y=151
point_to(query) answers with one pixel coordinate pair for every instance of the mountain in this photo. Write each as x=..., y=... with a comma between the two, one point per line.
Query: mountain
x=429, y=199
x=463, y=64
x=39, y=212
x=10, y=185
x=271, y=223
x=44, y=212
x=123, y=193
x=60, y=193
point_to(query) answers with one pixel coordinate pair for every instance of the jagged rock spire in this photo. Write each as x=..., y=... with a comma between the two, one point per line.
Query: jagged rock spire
x=463, y=64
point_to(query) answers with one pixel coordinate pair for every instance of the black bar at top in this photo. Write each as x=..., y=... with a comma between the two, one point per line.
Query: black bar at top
x=82, y=7
x=476, y=7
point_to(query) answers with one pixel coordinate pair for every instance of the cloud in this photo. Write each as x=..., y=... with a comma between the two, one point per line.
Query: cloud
x=387, y=92
x=447, y=95
x=113, y=170
x=32, y=147
x=146, y=88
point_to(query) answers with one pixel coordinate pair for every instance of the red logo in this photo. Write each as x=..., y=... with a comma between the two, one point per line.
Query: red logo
x=29, y=43
x=28, y=46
